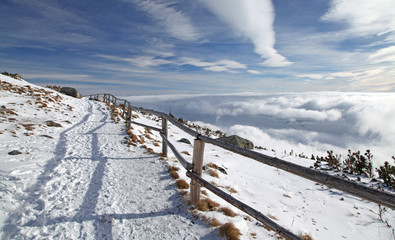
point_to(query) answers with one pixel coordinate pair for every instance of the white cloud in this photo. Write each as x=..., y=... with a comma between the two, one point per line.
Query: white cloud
x=173, y=21
x=311, y=76
x=254, y=71
x=363, y=17
x=139, y=61
x=252, y=19
x=218, y=66
x=383, y=55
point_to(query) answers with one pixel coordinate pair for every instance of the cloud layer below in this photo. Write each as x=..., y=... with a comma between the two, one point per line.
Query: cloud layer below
x=311, y=123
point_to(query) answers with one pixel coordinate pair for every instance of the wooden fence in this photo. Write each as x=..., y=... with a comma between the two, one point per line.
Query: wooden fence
x=194, y=169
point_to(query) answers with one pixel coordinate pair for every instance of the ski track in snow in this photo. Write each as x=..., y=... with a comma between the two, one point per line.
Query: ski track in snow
x=97, y=188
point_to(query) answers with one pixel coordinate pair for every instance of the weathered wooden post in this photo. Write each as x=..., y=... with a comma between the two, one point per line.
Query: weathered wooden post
x=164, y=131
x=129, y=117
x=198, y=153
x=114, y=102
x=124, y=109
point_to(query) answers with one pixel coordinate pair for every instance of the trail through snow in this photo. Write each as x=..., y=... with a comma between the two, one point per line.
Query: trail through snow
x=97, y=188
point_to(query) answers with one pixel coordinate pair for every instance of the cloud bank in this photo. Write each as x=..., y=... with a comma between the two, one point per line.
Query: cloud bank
x=311, y=123
x=252, y=19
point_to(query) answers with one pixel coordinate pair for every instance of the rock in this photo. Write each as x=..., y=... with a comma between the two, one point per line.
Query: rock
x=238, y=141
x=222, y=170
x=52, y=124
x=71, y=92
x=184, y=140
x=47, y=136
x=14, y=152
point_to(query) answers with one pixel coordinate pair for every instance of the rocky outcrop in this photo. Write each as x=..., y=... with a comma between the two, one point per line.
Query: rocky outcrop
x=71, y=92
x=238, y=141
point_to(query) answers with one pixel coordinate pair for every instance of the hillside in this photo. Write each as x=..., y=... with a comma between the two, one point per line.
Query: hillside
x=88, y=179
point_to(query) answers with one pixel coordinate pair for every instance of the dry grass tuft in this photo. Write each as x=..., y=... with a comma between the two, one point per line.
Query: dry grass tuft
x=172, y=168
x=186, y=153
x=213, y=165
x=182, y=184
x=156, y=144
x=286, y=195
x=204, y=192
x=174, y=175
x=272, y=217
x=213, y=173
x=206, y=204
x=229, y=231
x=228, y=212
x=28, y=127
x=305, y=236
x=214, y=222
x=148, y=136
x=232, y=190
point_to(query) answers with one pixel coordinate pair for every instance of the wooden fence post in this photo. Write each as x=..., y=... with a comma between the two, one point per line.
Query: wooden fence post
x=164, y=131
x=198, y=153
x=129, y=117
x=124, y=109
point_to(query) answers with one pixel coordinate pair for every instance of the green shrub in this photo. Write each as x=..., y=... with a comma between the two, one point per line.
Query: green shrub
x=387, y=173
x=359, y=164
x=333, y=161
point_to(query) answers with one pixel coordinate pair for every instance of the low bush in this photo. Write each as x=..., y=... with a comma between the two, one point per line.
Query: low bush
x=182, y=184
x=229, y=231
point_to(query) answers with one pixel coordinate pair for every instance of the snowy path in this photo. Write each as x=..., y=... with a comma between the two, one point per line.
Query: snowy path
x=97, y=188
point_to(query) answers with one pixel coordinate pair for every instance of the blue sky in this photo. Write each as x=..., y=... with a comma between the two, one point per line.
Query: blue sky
x=134, y=47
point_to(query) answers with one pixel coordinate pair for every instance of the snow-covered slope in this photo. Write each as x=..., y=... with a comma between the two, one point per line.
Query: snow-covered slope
x=79, y=181
x=88, y=179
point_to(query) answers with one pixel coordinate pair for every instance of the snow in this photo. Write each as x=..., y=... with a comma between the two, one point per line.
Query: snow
x=90, y=181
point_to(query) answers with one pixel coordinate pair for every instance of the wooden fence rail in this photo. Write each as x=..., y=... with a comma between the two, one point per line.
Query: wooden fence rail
x=194, y=169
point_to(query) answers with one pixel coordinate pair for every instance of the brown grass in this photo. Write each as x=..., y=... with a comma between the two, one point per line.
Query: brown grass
x=186, y=153
x=28, y=127
x=228, y=212
x=272, y=217
x=286, y=195
x=172, y=168
x=204, y=192
x=148, y=136
x=229, y=231
x=156, y=144
x=174, y=175
x=182, y=184
x=213, y=173
x=305, y=236
x=232, y=190
x=206, y=204
x=213, y=165
x=214, y=222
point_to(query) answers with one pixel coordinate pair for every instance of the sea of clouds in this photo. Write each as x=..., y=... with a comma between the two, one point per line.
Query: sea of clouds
x=308, y=123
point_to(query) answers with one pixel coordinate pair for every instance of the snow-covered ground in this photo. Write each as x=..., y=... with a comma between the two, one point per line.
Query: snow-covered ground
x=90, y=180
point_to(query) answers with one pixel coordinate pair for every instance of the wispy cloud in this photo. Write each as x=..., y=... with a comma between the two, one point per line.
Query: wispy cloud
x=219, y=66
x=252, y=19
x=138, y=61
x=175, y=22
x=48, y=24
x=363, y=18
x=383, y=55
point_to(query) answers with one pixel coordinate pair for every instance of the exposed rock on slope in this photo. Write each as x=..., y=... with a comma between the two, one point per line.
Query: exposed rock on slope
x=238, y=141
